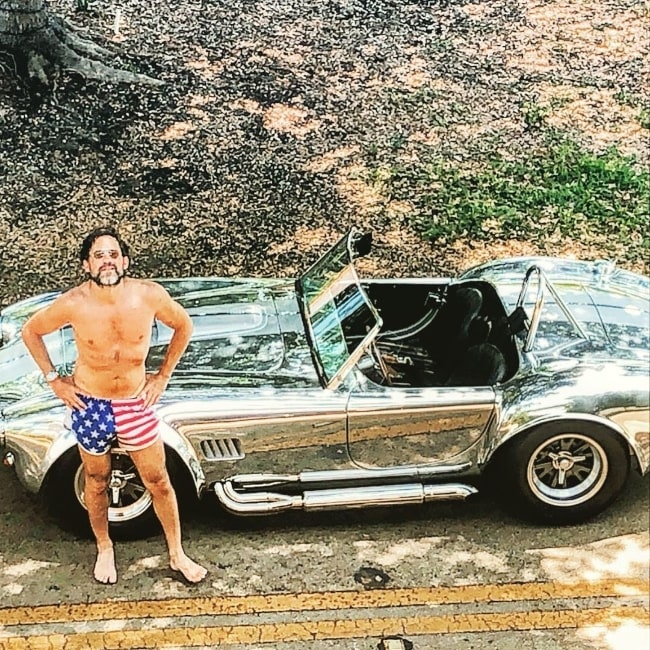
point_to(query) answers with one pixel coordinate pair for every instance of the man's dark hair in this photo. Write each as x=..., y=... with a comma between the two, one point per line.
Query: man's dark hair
x=91, y=237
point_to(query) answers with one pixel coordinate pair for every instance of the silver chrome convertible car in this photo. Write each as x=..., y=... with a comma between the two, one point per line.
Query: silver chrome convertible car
x=526, y=375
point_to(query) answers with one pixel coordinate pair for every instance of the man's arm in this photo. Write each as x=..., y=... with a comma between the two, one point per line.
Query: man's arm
x=46, y=321
x=172, y=314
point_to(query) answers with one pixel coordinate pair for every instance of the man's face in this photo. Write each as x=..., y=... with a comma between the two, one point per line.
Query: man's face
x=106, y=264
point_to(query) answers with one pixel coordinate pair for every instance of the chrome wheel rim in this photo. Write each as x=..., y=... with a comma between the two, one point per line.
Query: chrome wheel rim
x=127, y=497
x=567, y=470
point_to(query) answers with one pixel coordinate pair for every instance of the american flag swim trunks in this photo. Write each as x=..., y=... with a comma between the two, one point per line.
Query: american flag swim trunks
x=103, y=420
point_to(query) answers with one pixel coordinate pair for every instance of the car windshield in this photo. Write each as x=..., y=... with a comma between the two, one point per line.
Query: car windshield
x=339, y=318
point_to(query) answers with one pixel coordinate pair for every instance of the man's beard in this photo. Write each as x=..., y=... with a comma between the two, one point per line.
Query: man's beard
x=104, y=279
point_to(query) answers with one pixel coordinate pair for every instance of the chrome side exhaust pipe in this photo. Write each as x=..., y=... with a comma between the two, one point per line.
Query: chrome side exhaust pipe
x=259, y=503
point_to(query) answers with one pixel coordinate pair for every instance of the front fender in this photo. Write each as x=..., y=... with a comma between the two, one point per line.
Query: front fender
x=186, y=453
x=38, y=440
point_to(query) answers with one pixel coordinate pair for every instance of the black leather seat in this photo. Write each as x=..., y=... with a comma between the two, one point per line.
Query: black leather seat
x=459, y=344
x=452, y=330
x=481, y=365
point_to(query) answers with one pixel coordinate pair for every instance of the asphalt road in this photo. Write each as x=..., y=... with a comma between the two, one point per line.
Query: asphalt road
x=458, y=575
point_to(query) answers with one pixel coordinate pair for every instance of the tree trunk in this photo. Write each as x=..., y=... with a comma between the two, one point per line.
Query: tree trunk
x=43, y=44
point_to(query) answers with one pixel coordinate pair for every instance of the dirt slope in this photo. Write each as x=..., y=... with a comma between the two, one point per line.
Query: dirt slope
x=252, y=158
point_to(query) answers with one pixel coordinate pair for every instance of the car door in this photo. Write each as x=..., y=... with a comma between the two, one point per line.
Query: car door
x=396, y=426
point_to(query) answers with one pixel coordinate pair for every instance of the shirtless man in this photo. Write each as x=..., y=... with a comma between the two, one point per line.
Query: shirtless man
x=111, y=316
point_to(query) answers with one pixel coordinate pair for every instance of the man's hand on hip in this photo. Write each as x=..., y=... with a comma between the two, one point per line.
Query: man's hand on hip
x=153, y=388
x=65, y=389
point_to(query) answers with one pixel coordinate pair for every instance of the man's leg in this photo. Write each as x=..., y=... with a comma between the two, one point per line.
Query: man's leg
x=150, y=463
x=97, y=471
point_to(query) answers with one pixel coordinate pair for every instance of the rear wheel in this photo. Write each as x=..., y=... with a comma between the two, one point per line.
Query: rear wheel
x=130, y=514
x=564, y=472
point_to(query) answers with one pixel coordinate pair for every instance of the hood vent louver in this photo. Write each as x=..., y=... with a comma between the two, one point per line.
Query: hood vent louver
x=221, y=449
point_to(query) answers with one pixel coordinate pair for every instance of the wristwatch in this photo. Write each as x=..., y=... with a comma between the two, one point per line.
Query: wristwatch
x=51, y=376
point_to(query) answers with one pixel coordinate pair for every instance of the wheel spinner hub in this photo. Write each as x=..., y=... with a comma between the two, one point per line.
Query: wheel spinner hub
x=567, y=469
x=117, y=483
x=128, y=498
x=564, y=462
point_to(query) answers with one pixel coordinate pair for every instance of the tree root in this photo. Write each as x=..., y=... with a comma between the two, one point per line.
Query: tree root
x=57, y=47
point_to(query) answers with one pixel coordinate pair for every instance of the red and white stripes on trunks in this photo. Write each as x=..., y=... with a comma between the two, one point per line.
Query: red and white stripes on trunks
x=103, y=420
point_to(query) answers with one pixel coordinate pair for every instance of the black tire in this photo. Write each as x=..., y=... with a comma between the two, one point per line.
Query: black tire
x=131, y=514
x=562, y=472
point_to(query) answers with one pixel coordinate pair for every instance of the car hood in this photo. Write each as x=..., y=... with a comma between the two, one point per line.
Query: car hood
x=246, y=332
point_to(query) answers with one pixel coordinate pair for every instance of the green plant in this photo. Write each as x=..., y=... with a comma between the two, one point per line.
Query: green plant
x=627, y=98
x=534, y=115
x=397, y=141
x=560, y=189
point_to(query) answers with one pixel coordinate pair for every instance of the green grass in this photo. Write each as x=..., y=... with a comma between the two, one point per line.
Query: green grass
x=534, y=115
x=561, y=189
x=635, y=101
x=644, y=118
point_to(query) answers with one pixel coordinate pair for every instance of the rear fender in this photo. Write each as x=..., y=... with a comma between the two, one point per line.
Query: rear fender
x=630, y=425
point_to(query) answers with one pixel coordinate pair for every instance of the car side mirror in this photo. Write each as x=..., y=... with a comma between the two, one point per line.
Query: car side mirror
x=363, y=244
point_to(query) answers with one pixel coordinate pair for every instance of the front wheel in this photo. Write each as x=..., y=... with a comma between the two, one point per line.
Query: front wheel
x=564, y=472
x=130, y=513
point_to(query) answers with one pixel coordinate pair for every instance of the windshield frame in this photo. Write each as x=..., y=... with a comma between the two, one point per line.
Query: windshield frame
x=324, y=291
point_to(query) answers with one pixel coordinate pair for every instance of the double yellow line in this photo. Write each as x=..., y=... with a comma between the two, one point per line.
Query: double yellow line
x=337, y=619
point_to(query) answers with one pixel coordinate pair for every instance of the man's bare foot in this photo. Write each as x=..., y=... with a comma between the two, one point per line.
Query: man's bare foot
x=105, y=571
x=190, y=570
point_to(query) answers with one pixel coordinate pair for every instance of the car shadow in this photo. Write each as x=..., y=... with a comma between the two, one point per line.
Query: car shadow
x=486, y=515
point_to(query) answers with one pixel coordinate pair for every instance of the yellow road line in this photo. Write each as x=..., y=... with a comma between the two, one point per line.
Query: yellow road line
x=333, y=600
x=331, y=630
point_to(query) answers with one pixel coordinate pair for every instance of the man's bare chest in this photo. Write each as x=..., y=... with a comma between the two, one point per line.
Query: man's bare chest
x=105, y=327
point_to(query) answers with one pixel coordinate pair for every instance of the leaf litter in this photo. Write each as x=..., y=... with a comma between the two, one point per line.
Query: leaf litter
x=251, y=160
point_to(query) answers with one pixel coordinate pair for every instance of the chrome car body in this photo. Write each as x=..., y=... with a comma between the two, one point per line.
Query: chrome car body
x=332, y=392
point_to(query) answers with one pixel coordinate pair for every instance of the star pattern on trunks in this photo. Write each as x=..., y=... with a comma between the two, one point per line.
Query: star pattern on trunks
x=104, y=420
x=95, y=425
